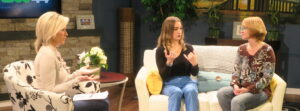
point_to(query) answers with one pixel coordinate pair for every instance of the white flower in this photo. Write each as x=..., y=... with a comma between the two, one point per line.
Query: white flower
x=87, y=60
x=103, y=59
x=96, y=50
x=100, y=53
x=81, y=56
x=85, y=57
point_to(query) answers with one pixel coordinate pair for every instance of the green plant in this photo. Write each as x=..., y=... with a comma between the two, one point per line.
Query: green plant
x=214, y=21
x=214, y=17
x=273, y=33
x=160, y=9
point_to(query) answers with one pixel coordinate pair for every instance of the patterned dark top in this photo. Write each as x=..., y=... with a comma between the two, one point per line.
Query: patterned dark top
x=254, y=72
x=181, y=66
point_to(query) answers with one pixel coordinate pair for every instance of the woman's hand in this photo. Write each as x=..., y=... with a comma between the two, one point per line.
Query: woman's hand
x=170, y=57
x=236, y=89
x=84, y=78
x=244, y=90
x=239, y=91
x=85, y=71
x=192, y=58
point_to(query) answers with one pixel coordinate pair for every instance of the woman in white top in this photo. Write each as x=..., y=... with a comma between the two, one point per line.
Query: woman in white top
x=51, y=70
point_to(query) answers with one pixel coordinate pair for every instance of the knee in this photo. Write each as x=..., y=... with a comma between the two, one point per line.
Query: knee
x=224, y=91
x=190, y=90
x=177, y=92
x=236, y=102
x=220, y=93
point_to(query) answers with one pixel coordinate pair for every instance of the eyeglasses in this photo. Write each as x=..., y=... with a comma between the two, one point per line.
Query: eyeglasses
x=242, y=28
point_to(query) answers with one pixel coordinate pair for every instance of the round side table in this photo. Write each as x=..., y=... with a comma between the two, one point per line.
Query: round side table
x=109, y=79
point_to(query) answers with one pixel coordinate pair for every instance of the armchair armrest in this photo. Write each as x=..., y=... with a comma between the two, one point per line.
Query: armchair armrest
x=87, y=87
x=60, y=101
x=141, y=87
x=25, y=97
x=278, y=94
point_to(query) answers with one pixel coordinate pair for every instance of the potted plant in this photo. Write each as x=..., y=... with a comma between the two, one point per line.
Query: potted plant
x=160, y=9
x=273, y=33
x=214, y=21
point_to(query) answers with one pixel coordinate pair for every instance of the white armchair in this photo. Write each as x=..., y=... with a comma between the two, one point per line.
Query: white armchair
x=210, y=58
x=20, y=78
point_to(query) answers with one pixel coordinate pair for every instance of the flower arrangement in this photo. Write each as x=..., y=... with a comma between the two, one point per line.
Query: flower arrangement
x=94, y=58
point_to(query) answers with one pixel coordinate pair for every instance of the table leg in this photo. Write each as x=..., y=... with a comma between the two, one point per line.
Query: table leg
x=121, y=97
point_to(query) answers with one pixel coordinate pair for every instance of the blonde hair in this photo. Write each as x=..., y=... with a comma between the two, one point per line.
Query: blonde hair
x=166, y=33
x=47, y=26
x=256, y=27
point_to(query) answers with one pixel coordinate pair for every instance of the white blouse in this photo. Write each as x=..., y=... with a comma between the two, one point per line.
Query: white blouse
x=51, y=71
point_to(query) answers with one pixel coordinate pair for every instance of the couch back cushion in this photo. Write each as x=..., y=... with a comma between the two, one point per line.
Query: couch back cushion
x=210, y=58
x=150, y=60
x=216, y=58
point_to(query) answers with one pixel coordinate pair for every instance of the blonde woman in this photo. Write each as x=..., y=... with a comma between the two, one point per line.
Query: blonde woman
x=176, y=61
x=253, y=70
x=51, y=70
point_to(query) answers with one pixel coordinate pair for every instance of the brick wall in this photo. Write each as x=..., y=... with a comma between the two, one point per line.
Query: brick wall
x=13, y=50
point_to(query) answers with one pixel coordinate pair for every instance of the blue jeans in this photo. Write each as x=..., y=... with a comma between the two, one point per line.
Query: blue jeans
x=181, y=87
x=230, y=102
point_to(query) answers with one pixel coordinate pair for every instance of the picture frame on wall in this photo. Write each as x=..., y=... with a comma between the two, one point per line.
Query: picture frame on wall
x=237, y=28
x=84, y=22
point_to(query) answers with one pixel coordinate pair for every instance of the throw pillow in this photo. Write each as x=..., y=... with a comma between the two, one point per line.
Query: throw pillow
x=212, y=81
x=154, y=82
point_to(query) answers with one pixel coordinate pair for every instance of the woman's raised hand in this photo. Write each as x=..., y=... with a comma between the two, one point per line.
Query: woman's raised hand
x=192, y=58
x=170, y=57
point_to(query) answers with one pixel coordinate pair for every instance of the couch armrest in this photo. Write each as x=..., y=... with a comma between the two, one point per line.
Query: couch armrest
x=141, y=88
x=278, y=94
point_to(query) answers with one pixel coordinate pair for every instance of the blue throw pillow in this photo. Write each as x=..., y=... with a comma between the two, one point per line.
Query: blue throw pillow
x=212, y=81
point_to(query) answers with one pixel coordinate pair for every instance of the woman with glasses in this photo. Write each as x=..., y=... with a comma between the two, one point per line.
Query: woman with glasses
x=253, y=70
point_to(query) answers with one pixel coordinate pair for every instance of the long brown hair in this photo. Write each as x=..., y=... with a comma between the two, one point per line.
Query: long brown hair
x=167, y=29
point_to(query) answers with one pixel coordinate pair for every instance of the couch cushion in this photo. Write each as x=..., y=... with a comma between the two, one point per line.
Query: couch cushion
x=203, y=102
x=154, y=82
x=158, y=103
x=213, y=102
x=267, y=106
x=212, y=81
x=216, y=58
